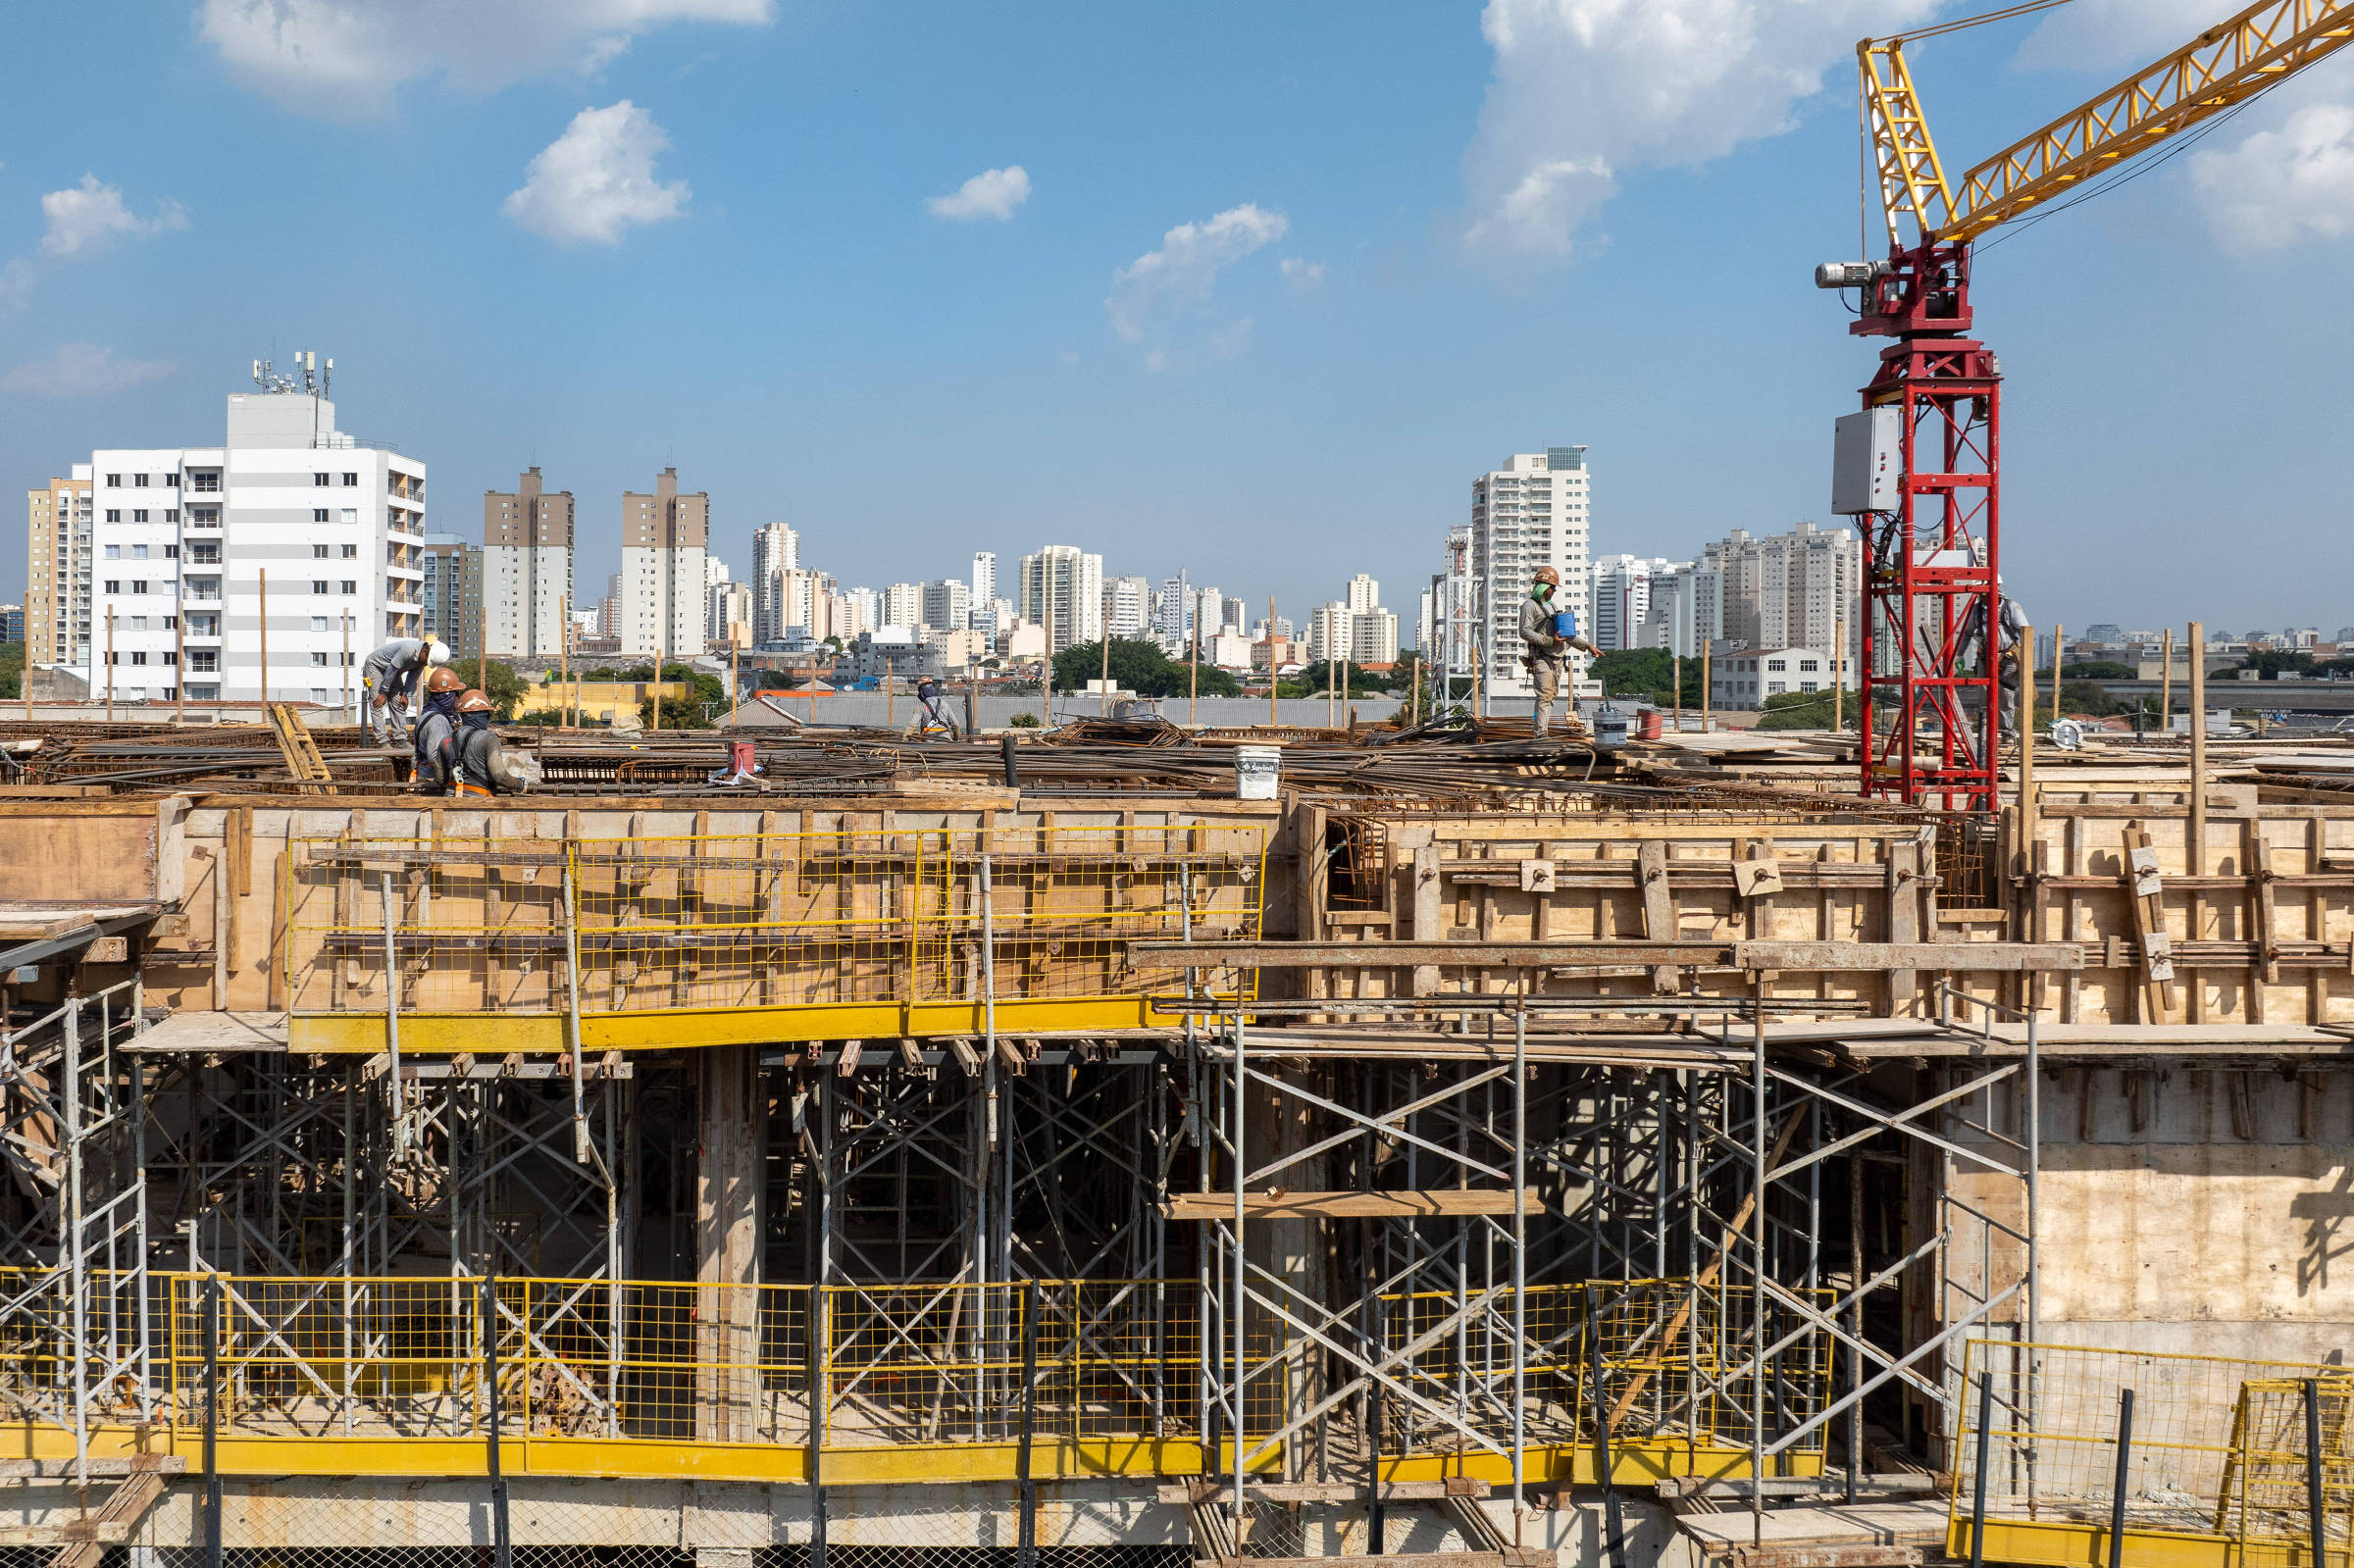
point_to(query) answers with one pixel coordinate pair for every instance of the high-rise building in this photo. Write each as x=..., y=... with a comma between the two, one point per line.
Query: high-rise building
x=1684, y=611
x=1783, y=590
x=57, y=577
x=1531, y=513
x=729, y=618
x=1354, y=627
x=1061, y=589
x=985, y=578
x=452, y=593
x=336, y=527
x=947, y=604
x=1363, y=594
x=903, y=604
x=1127, y=606
x=776, y=550
x=527, y=567
x=12, y=623
x=663, y=599
x=1620, y=599
x=608, y=609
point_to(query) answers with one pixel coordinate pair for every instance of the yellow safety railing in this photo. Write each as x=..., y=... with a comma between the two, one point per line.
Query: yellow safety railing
x=327, y=1374
x=838, y=928
x=2216, y=1462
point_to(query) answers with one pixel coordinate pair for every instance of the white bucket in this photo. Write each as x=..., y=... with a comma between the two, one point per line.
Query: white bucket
x=1258, y=770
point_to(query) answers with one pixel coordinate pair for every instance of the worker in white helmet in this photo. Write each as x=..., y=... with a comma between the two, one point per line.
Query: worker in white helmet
x=391, y=677
x=1545, y=643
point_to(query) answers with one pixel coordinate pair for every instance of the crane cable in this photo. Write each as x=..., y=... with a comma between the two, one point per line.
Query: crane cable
x=1937, y=29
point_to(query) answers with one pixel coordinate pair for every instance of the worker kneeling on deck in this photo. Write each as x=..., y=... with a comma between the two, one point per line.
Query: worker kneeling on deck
x=391, y=677
x=436, y=741
x=1547, y=634
x=477, y=753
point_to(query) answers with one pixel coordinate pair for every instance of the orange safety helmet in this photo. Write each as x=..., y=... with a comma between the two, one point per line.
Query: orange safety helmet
x=475, y=702
x=1546, y=574
x=443, y=680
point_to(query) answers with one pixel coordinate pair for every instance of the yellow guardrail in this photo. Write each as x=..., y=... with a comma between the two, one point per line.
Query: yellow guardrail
x=2216, y=1473
x=389, y=1376
x=719, y=938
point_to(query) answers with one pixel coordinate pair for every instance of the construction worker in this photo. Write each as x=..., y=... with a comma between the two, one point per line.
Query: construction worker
x=391, y=677
x=931, y=715
x=477, y=751
x=436, y=741
x=1546, y=647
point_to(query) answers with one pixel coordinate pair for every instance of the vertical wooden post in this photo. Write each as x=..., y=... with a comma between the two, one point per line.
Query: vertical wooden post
x=1104, y=633
x=1675, y=674
x=262, y=593
x=2196, y=864
x=179, y=661
x=1708, y=695
x=2057, y=632
x=2166, y=682
x=1838, y=671
x=1274, y=714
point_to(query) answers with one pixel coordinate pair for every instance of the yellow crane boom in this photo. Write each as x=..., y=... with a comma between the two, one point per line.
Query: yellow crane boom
x=2226, y=65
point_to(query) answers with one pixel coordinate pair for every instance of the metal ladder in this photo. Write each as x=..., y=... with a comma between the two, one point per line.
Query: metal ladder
x=302, y=751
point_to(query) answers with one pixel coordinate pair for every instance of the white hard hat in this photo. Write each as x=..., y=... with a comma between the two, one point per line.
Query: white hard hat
x=436, y=652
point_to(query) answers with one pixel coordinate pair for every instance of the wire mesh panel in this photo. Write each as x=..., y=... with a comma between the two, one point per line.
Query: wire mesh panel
x=2217, y=1448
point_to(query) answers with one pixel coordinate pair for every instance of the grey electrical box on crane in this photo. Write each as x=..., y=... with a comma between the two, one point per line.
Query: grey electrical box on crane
x=1867, y=467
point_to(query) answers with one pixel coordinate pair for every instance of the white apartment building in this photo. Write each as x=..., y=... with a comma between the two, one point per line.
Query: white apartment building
x=1354, y=627
x=664, y=596
x=904, y=605
x=526, y=569
x=1532, y=512
x=1620, y=600
x=1686, y=610
x=985, y=578
x=1061, y=589
x=1786, y=589
x=776, y=550
x=729, y=618
x=947, y=605
x=289, y=517
x=1127, y=607
x=56, y=572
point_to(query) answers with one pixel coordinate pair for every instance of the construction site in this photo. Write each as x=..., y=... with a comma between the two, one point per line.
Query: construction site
x=1448, y=1145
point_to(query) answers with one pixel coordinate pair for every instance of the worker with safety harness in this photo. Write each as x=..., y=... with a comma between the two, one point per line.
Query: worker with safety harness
x=478, y=747
x=390, y=676
x=1548, y=631
x=436, y=741
x=931, y=714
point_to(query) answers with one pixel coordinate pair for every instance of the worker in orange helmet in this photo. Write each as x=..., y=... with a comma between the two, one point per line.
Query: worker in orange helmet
x=437, y=734
x=474, y=772
x=1548, y=631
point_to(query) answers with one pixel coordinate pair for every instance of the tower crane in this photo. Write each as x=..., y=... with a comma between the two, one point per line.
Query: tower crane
x=1919, y=467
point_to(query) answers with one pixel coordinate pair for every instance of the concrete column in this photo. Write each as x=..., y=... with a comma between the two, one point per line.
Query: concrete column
x=731, y=1123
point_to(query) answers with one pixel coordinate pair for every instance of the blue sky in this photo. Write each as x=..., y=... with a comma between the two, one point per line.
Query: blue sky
x=1272, y=285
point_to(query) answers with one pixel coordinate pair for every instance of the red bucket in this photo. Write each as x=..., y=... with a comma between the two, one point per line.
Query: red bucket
x=1651, y=725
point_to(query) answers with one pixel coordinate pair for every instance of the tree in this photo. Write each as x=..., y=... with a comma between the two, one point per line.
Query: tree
x=12, y=669
x=1140, y=667
x=2095, y=670
x=1024, y=721
x=2274, y=663
x=506, y=689
x=1357, y=681
x=678, y=713
x=1805, y=710
x=2085, y=697
x=1648, y=673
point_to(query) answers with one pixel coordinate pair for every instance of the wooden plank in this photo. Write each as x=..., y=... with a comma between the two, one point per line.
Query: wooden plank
x=202, y=1032
x=1281, y=1206
x=1206, y=1490
x=1659, y=911
x=2005, y=956
x=1429, y=903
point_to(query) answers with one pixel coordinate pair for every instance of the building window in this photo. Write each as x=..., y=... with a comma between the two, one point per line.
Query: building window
x=139, y=552
x=351, y=479
x=138, y=585
x=319, y=659
x=138, y=514
x=351, y=552
x=171, y=514
x=1810, y=664
x=318, y=479
x=172, y=659
x=171, y=622
x=114, y=514
x=318, y=623
x=319, y=514
x=204, y=516
x=319, y=695
x=1776, y=664
x=205, y=483
x=112, y=586
x=139, y=623
x=351, y=514
x=171, y=552
x=138, y=481
x=138, y=656
x=171, y=482
x=204, y=661
x=351, y=587
x=113, y=552
x=1809, y=685
x=114, y=482
x=318, y=552
x=318, y=585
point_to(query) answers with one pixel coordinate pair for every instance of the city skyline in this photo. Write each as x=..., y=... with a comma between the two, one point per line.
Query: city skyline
x=1310, y=327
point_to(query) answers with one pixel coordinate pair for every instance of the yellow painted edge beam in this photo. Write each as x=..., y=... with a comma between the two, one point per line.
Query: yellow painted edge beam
x=2059, y=1543
x=672, y=1029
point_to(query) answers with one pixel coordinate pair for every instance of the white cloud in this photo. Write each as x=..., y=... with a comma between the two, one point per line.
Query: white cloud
x=990, y=193
x=2280, y=186
x=1185, y=269
x=344, y=59
x=598, y=178
x=1586, y=90
x=89, y=217
x=82, y=370
x=1302, y=273
x=1232, y=338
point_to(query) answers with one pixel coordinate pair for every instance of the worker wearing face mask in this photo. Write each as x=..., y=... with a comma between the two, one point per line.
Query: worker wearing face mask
x=1548, y=631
